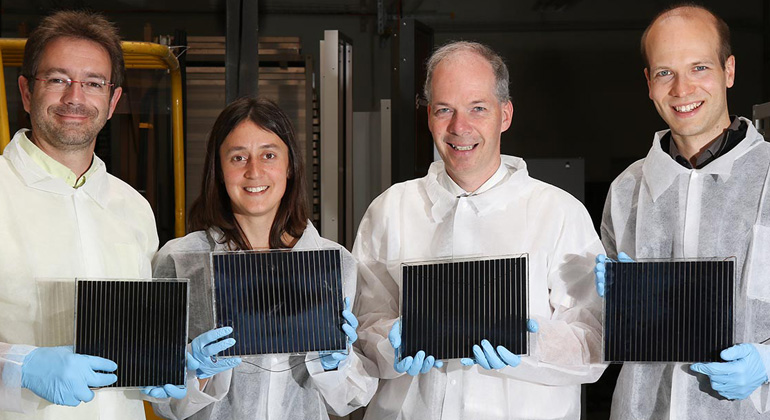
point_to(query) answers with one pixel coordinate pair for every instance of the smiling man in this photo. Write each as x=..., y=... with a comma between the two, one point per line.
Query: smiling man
x=700, y=192
x=63, y=216
x=477, y=203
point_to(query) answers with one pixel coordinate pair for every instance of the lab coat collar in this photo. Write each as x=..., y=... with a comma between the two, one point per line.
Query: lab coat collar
x=310, y=238
x=494, y=194
x=660, y=170
x=36, y=177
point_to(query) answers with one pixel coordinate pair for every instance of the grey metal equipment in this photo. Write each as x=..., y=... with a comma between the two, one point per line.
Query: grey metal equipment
x=242, y=50
x=761, y=118
x=336, y=151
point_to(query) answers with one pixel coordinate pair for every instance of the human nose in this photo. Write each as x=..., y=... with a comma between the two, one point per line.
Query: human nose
x=459, y=126
x=253, y=169
x=682, y=86
x=73, y=93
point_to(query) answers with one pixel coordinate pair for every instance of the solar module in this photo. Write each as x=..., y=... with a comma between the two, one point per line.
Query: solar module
x=139, y=324
x=668, y=311
x=279, y=301
x=448, y=306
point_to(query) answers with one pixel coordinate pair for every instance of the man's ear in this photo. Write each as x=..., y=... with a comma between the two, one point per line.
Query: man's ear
x=114, y=100
x=730, y=71
x=507, y=116
x=26, y=94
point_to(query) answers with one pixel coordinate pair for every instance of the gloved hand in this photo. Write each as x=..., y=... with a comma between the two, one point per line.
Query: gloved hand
x=599, y=270
x=331, y=359
x=62, y=377
x=488, y=358
x=737, y=378
x=169, y=390
x=165, y=391
x=204, y=350
x=411, y=365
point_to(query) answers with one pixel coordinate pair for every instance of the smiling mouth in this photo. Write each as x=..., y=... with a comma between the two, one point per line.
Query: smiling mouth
x=463, y=148
x=688, y=107
x=255, y=189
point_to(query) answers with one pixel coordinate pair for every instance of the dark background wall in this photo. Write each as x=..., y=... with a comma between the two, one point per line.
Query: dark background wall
x=576, y=75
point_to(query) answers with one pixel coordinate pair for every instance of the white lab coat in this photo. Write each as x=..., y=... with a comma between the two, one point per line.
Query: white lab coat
x=305, y=392
x=658, y=209
x=104, y=229
x=424, y=219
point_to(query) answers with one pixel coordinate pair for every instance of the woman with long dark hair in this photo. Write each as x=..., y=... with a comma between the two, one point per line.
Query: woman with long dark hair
x=253, y=198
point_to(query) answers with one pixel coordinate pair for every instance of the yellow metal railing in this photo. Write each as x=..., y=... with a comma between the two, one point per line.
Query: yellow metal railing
x=137, y=55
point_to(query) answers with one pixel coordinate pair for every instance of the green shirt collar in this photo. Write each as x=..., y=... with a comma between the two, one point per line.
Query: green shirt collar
x=52, y=166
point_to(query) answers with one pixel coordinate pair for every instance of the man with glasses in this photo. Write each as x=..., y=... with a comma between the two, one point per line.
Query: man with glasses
x=63, y=216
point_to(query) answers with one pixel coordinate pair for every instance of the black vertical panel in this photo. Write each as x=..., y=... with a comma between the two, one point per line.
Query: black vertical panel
x=674, y=311
x=140, y=325
x=241, y=49
x=447, y=307
x=280, y=301
x=412, y=145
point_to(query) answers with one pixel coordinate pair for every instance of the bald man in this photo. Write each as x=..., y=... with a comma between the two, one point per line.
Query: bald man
x=700, y=192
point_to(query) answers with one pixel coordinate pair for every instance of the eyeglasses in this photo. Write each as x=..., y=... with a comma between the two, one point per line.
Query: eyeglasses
x=90, y=87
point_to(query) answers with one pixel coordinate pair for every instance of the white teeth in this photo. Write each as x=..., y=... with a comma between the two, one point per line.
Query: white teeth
x=256, y=189
x=688, y=108
x=462, y=148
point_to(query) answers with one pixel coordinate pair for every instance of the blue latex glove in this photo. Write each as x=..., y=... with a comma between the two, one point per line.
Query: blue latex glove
x=737, y=378
x=205, y=347
x=165, y=391
x=169, y=390
x=486, y=356
x=62, y=377
x=411, y=365
x=330, y=360
x=599, y=270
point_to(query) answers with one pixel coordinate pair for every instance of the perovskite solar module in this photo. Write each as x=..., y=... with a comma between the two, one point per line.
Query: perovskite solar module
x=668, y=311
x=279, y=301
x=139, y=324
x=447, y=307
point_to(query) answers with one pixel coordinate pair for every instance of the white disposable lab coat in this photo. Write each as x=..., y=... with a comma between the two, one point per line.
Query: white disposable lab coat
x=104, y=229
x=305, y=392
x=659, y=209
x=423, y=220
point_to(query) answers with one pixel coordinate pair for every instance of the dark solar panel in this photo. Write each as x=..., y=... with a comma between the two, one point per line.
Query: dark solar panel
x=672, y=311
x=279, y=301
x=140, y=325
x=447, y=307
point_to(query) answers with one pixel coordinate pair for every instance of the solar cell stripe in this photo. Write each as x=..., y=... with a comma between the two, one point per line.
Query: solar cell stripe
x=672, y=311
x=447, y=307
x=140, y=325
x=279, y=301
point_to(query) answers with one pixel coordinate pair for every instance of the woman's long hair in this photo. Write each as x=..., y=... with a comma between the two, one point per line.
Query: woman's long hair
x=213, y=208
